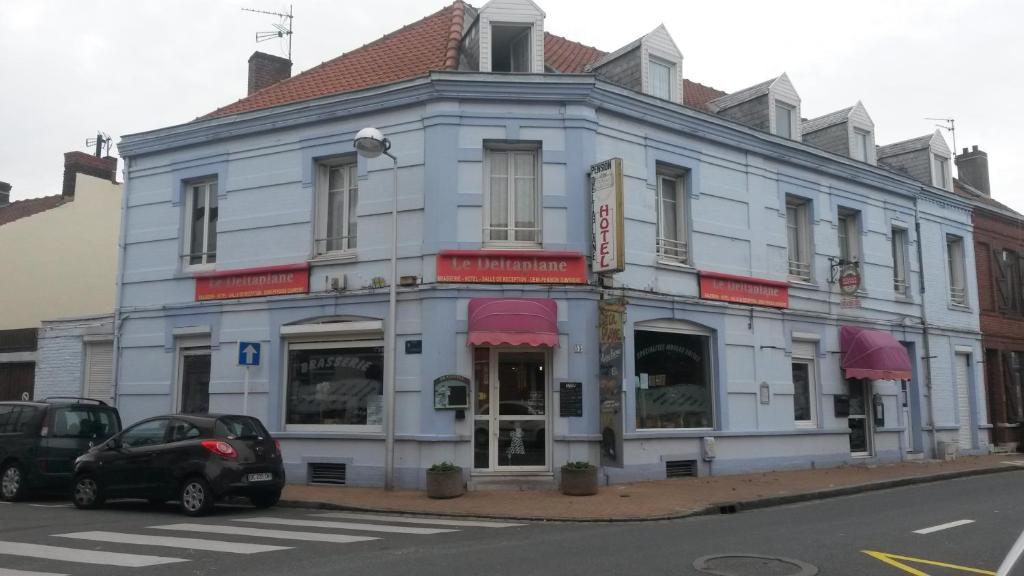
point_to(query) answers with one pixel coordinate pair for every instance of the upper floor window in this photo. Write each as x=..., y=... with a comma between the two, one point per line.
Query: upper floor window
x=1008, y=280
x=673, y=217
x=201, y=229
x=512, y=196
x=861, y=141
x=660, y=80
x=798, y=238
x=337, y=194
x=900, y=281
x=783, y=120
x=848, y=225
x=510, y=48
x=941, y=171
x=957, y=270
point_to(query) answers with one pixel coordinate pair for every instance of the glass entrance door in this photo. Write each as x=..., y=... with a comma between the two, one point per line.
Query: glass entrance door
x=511, y=411
x=859, y=418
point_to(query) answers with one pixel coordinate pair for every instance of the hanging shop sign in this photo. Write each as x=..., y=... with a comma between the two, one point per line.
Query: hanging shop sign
x=451, y=392
x=511, y=267
x=253, y=282
x=744, y=290
x=611, y=316
x=609, y=247
x=849, y=283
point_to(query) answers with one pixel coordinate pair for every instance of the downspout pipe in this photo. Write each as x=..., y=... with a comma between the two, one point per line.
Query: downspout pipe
x=119, y=285
x=925, y=332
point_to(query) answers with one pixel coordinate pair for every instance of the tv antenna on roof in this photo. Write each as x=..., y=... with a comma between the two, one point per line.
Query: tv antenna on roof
x=281, y=30
x=948, y=124
x=102, y=143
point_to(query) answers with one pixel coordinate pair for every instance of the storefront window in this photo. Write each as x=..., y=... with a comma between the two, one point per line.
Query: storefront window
x=674, y=386
x=1014, y=388
x=335, y=385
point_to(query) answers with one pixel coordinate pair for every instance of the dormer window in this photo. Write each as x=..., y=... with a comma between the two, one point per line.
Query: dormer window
x=661, y=79
x=940, y=165
x=510, y=48
x=861, y=141
x=783, y=120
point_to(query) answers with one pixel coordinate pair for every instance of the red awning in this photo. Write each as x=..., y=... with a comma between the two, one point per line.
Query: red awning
x=873, y=355
x=513, y=322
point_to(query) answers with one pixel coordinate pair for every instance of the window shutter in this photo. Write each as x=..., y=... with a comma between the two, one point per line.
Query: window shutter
x=99, y=370
x=804, y=349
x=1002, y=280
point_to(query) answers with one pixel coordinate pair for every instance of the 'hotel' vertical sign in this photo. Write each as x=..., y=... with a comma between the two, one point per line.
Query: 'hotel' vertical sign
x=606, y=192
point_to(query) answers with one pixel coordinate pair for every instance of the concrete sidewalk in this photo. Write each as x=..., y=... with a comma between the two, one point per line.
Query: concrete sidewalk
x=656, y=500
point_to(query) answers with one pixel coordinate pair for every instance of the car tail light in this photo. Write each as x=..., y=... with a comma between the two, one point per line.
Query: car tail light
x=277, y=446
x=220, y=448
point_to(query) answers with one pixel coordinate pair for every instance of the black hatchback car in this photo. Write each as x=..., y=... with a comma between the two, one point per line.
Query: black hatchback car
x=39, y=441
x=194, y=459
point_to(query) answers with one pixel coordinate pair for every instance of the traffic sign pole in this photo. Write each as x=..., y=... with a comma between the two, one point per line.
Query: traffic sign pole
x=245, y=393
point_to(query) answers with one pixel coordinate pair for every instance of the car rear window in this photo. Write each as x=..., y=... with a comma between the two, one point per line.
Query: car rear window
x=239, y=427
x=90, y=422
x=15, y=418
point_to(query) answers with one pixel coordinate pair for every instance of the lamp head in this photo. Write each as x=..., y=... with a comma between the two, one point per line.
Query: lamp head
x=371, y=143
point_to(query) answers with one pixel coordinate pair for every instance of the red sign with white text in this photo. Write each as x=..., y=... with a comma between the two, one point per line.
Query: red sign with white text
x=744, y=290
x=511, y=267
x=253, y=282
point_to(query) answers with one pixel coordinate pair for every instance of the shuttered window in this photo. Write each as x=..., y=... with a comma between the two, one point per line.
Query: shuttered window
x=99, y=370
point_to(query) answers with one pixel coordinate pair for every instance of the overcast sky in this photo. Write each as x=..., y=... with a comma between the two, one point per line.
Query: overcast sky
x=69, y=68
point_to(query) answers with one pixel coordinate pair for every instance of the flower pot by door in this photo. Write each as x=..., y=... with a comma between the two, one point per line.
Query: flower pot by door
x=447, y=484
x=579, y=481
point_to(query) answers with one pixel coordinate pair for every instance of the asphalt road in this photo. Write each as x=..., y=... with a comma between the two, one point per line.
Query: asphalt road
x=50, y=537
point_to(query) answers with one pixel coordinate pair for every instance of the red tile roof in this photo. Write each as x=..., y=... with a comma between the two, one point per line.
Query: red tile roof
x=415, y=50
x=25, y=208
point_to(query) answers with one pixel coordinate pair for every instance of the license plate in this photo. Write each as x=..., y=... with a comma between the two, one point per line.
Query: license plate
x=260, y=477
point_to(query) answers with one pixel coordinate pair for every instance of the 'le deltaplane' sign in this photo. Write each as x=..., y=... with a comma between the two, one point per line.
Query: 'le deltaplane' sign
x=606, y=193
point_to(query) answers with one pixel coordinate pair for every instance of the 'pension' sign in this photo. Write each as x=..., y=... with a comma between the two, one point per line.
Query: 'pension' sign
x=606, y=193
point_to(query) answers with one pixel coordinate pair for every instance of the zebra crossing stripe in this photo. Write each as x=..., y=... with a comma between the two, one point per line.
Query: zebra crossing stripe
x=9, y=572
x=84, y=556
x=172, y=542
x=344, y=525
x=263, y=533
x=419, y=520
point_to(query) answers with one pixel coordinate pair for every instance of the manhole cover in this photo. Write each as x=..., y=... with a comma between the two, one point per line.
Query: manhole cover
x=752, y=565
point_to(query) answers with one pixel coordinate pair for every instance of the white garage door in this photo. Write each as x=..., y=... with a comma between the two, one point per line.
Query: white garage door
x=99, y=373
x=963, y=363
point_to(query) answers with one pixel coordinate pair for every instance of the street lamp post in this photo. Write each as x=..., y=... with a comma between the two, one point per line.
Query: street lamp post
x=371, y=143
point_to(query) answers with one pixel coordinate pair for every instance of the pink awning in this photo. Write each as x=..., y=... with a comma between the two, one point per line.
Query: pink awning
x=873, y=355
x=513, y=322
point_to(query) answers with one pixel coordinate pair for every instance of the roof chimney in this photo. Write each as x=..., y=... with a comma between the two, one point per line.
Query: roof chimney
x=972, y=169
x=266, y=70
x=82, y=163
x=5, y=193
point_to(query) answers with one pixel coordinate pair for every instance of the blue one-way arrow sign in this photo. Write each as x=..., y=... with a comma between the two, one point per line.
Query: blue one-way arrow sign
x=248, y=353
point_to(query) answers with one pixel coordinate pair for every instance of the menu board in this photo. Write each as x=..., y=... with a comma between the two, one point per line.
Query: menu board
x=570, y=399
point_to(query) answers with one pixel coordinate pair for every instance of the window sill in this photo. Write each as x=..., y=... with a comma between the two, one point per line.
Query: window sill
x=333, y=258
x=802, y=283
x=903, y=298
x=328, y=433
x=675, y=265
x=806, y=425
x=190, y=270
x=959, y=307
x=486, y=245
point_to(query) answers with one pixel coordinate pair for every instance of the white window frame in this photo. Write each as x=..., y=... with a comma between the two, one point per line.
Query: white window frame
x=900, y=264
x=676, y=250
x=800, y=269
x=861, y=145
x=804, y=353
x=670, y=68
x=940, y=171
x=956, y=261
x=522, y=41
x=208, y=260
x=848, y=235
x=513, y=150
x=791, y=128
x=322, y=209
x=320, y=344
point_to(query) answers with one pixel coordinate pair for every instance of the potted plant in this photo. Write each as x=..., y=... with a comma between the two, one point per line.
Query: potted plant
x=444, y=480
x=579, y=479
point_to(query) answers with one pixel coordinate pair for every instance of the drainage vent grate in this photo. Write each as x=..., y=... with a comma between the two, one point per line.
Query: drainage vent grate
x=326, y=473
x=680, y=468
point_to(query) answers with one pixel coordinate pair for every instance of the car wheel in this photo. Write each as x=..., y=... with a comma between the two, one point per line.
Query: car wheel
x=196, y=498
x=265, y=499
x=12, y=482
x=86, y=493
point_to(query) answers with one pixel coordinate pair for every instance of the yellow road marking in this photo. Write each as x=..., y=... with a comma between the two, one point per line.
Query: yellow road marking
x=894, y=561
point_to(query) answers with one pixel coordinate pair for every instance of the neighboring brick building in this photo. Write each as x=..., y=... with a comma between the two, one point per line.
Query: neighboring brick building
x=999, y=249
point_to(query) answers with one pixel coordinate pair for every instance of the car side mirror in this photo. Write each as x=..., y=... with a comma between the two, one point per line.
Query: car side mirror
x=114, y=444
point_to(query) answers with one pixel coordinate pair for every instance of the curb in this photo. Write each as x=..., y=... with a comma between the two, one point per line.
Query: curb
x=729, y=507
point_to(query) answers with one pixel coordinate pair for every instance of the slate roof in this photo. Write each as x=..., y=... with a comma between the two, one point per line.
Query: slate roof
x=25, y=208
x=431, y=43
x=904, y=146
x=741, y=96
x=978, y=197
x=822, y=122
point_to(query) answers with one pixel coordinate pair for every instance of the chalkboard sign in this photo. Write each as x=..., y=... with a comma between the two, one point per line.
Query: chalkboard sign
x=451, y=392
x=570, y=399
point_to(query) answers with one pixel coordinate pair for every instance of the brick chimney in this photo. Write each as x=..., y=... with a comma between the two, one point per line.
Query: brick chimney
x=267, y=69
x=972, y=169
x=5, y=193
x=84, y=163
